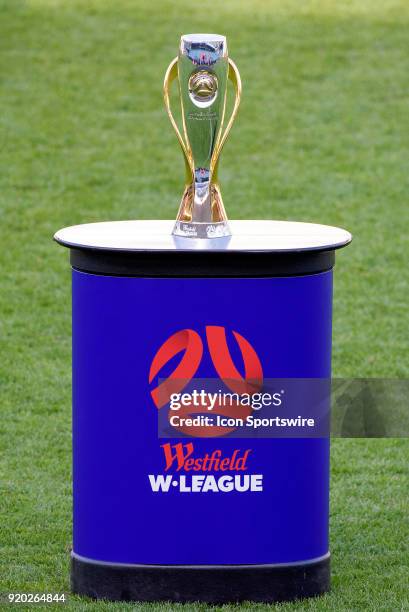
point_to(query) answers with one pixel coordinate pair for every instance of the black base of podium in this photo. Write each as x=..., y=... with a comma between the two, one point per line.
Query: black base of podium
x=209, y=584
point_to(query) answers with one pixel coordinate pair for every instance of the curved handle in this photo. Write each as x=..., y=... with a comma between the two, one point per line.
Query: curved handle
x=234, y=76
x=170, y=76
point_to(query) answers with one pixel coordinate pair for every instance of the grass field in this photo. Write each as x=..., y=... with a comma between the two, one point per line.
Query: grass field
x=322, y=135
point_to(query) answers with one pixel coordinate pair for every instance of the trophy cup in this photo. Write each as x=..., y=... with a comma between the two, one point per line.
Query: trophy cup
x=203, y=69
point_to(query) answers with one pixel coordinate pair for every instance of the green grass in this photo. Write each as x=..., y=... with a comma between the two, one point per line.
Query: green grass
x=322, y=135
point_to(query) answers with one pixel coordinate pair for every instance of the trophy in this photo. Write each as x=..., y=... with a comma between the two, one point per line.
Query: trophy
x=203, y=69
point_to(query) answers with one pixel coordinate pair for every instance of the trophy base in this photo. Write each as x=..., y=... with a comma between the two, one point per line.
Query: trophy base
x=217, y=584
x=201, y=230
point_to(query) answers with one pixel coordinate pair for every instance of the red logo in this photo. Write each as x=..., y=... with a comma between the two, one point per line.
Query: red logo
x=181, y=457
x=189, y=344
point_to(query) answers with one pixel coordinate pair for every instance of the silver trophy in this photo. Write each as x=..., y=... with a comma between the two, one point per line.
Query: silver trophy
x=202, y=68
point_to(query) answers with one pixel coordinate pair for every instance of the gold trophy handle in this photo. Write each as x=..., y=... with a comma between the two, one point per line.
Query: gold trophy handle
x=234, y=76
x=170, y=76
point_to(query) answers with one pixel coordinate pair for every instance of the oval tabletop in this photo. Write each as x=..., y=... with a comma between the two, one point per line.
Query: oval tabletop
x=256, y=236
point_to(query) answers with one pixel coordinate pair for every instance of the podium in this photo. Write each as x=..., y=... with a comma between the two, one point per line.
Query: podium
x=146, y=307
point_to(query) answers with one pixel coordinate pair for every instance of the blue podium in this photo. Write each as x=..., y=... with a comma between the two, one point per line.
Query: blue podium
x=179, y=517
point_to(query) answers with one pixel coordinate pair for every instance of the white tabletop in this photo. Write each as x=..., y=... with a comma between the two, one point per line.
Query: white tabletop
x=280, y=236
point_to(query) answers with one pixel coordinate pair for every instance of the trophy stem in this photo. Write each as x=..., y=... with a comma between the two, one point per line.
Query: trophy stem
x=201, y=212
